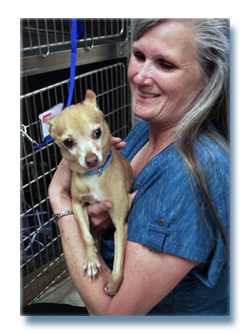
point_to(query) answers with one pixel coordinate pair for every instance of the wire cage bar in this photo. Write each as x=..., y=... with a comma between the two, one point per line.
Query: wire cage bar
x=42, y=259
x=41, y=36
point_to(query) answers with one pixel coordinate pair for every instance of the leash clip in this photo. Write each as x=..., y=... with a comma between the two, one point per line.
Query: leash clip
x=25, y=135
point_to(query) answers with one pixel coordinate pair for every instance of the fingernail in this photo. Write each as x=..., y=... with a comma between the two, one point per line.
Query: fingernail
x=117, y=139
x=134, y=194
x=109, y=205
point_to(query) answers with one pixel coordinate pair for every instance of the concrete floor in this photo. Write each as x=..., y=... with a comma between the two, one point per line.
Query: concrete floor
x=63, y=293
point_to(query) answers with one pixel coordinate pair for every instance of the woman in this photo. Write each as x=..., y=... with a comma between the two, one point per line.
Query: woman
x=176, y=260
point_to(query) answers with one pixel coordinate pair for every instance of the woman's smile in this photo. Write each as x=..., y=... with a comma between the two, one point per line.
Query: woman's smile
x=146, y=95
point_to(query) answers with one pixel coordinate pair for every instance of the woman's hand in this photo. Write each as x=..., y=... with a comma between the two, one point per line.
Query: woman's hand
x=99, y=218
x=59, y=189
x=119, y=144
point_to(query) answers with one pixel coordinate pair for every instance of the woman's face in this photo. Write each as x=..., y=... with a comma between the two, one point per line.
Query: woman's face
x=164, y=73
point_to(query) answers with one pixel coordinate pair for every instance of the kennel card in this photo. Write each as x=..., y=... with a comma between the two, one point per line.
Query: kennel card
x=54, y=111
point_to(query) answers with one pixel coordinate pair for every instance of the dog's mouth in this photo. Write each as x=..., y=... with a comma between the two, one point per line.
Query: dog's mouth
x=94, y=168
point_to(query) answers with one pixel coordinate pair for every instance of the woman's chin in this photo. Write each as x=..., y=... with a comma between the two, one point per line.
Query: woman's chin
x=144, y=113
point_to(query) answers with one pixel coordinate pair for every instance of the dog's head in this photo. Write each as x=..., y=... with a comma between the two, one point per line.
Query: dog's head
x=82, y=134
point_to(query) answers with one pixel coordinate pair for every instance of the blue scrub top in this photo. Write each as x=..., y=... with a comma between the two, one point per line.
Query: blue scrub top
x=165, y=217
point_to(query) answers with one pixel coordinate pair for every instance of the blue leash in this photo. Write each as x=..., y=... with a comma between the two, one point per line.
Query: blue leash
x=73, y=60
x=76, y=33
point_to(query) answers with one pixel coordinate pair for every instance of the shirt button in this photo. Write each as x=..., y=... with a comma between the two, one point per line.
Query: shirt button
x=161, y=222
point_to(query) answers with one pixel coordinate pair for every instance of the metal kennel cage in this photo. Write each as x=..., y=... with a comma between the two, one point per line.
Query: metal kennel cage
x=41, y=36
x=41, y=253
x=45, y=44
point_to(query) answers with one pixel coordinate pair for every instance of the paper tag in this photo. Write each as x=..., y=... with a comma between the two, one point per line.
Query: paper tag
x=54, y=111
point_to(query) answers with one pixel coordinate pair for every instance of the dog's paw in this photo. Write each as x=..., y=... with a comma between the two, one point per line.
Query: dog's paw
x=111, y=289
x=112, y=286
x=92, y=266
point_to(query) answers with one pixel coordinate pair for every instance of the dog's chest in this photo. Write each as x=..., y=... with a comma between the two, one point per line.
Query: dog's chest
x=95, y=193
x=88, y=189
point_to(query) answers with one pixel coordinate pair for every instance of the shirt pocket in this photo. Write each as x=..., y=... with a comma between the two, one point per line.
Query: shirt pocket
x=158, y=231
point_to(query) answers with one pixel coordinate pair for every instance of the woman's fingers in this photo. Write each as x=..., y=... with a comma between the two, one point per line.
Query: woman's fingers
x=133, y=195
x=119, y=144
x=99, y=208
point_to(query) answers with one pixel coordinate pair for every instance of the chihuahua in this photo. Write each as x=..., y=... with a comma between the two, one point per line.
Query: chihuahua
x=100, y=173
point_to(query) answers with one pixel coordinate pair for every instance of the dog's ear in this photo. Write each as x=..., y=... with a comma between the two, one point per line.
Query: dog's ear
x=51, y=122
x=90, y=98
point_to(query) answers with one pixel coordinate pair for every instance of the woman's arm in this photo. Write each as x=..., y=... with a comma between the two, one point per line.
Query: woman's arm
x=148, y=276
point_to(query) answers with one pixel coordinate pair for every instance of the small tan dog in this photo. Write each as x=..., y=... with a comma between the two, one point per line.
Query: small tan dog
x=100, y=173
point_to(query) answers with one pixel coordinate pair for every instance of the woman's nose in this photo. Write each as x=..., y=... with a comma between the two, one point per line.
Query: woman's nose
x=144, y=75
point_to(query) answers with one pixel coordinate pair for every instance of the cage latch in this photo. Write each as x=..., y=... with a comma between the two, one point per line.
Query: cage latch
x=25, y=135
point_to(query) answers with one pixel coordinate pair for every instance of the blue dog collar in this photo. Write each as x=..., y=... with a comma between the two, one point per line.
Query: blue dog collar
x=102, y=168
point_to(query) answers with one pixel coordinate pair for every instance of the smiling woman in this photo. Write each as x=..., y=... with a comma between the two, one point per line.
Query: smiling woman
x=164, y=73
x=176, y=259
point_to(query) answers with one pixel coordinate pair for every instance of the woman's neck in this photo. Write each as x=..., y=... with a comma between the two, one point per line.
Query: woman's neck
x=160, y=138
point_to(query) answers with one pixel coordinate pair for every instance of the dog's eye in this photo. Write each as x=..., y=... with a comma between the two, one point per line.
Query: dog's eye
x=97, y=133
x=68, y=143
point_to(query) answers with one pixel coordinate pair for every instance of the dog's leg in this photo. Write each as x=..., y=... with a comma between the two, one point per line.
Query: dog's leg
x=120, y=238
x=92, y=263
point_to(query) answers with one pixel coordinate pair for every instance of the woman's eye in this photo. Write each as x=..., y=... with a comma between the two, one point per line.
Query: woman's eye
x=166, y=66
x=97, y=133
x=140, y=57
x=68, y=143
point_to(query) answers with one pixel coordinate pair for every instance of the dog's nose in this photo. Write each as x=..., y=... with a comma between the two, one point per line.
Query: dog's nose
x=91, y=160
